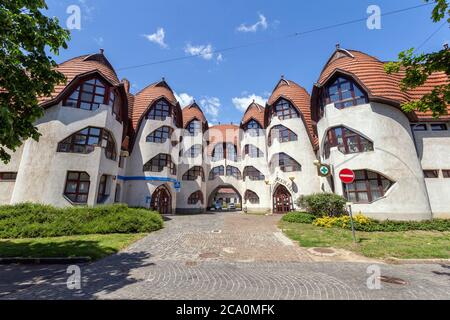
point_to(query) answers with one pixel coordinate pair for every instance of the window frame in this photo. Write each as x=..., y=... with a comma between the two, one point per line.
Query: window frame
x=11, y=176
x=368, y=188
x=253, y=128
x=193, y=173
x=431, y=173
x=250, y=196
x=282, y=158
x=446, y=173
x=159, y=107
x=233, y=171
x=438, y=127
x=213, y=174
x=253, y=174
x=281, y=137
x=286, y=108
x=339, y=82
x=195, y=197
x=253, y=151
x=331, y=141
x=164, y=160
x=78, y=182
x=159, y=135
x=192, y=129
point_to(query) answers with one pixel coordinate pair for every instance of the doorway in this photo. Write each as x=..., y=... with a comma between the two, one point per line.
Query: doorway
x=282, y=200
x=161, y=200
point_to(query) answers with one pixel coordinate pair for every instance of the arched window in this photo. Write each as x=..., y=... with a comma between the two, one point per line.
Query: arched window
x=193, y=173
x=251, y=196
x=346, y=140
x=281, y=133
x=158, y=163
x=77, y=187
x=159, y=111
x=86, y=140
x=234, y=172
x=367, y=187
x=196, y=197
x=194, y=127
x=224, y=151
x=253, y=128
x=216, y=172
x=252, y=151
x=283, y=109
x=285, y=163
x=194, y=151
x=343, y=93
x=160, y=135
x=90, y=94
x=253, y=174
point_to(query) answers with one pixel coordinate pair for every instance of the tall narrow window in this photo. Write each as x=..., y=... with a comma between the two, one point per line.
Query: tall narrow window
x=159, y=111
x=194, y=151
x=160, y=135
x=234, y=172
x=252, y=151
x=251, y=197
x=118, y=194
x=102, y=189
x=86, y=140
x=253, y=128
x=283, y=109
x=77, y=187
x=193, y=173
x=90, y=95
x=216, y=172
x=367, y=187
x=253, y=174
x=344, y=93
x=281, y=133
x=194, y=127
x=158, y=163
x=231, y=152
x=224, y=151
x=285, y=163
x=195, y=197
x=346, y=140
x=218, y=152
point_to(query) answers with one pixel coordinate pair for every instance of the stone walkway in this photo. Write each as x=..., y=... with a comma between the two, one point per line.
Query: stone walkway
x=224, y=256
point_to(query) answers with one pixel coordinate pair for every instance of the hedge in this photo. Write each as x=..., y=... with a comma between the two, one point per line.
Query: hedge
x=299, y=217
x=29, y=220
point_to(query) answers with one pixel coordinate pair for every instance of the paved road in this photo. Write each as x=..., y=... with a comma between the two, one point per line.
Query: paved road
x=223, y=256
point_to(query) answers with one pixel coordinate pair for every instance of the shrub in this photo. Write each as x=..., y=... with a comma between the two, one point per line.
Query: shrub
x=29, y=220
x=299, y=217
x=323, y=204
x=343, y=221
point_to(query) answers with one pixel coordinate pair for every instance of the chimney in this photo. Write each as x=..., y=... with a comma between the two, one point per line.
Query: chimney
x=126, y=84
x=102, y=51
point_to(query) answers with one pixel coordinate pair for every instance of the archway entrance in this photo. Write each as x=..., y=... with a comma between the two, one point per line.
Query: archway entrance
x=282, y=200
x=161, y=200
x=225, y=198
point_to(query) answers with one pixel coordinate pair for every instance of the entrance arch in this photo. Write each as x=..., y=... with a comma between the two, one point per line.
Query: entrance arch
x=162, y=200
x=219, y=195
x=282, y=200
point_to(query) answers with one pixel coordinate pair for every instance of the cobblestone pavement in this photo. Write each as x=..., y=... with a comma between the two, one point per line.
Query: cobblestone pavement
x=222, y=256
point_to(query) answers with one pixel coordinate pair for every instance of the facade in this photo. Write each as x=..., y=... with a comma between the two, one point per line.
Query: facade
x=101, y=144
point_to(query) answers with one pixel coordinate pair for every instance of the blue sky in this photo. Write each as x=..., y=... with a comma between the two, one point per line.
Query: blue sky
x=136, y=32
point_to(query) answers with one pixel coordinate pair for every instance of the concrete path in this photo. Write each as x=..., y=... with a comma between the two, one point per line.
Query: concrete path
x=225, y=256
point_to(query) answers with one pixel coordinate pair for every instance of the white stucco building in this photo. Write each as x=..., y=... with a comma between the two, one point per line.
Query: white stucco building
x=101, y=144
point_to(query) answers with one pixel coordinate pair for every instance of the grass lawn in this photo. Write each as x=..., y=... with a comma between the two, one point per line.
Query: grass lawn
x=95, y=246
x=404, y=245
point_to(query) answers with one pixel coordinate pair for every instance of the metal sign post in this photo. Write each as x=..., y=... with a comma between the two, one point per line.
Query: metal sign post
x=347, y=176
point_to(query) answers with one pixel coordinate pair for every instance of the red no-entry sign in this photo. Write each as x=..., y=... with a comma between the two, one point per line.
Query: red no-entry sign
x=347, y=176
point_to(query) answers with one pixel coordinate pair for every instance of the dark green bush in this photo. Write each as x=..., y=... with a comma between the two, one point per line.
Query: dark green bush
x=392, y=226
x=29, y=220
x=323, y=204
x=299, y=217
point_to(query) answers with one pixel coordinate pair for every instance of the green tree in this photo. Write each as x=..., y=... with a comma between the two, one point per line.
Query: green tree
x=26, y=70
x=419, y=67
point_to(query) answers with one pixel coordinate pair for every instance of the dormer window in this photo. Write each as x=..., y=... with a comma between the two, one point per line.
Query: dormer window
x=159, y=111
x=283, y=109
x=194, y=127
x=253, y=128
x=90, y=94
x=343, y=93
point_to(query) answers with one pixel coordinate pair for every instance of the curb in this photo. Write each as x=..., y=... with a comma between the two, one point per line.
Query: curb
x=18, y=260
x=417, y=261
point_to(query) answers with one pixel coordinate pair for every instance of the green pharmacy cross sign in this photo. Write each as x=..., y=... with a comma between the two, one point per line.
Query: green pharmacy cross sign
x=324, y=170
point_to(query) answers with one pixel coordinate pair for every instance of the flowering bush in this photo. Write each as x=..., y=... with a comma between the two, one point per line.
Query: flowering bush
x=342, y=221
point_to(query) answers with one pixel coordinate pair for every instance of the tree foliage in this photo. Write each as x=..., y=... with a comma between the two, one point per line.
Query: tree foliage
x=27, y=72
x=419, y=67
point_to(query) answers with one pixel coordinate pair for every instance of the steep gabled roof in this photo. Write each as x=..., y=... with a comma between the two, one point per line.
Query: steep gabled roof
x=369, y=72
x=256, y=112
x=193, y=111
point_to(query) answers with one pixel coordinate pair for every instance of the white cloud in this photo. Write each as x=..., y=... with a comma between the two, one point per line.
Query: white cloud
x=261, y=24
x=99, y=41
x=87, y=10
x=184, y=99
x=242, y=103
x=210, y=106
x=203, y=51
x=157, y=37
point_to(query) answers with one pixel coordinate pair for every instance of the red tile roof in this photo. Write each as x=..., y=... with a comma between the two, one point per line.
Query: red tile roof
x=256, y=112
x=191, y=112
x=146, y=97
x=80, y=66
x=299, y=97
x=369, y=71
